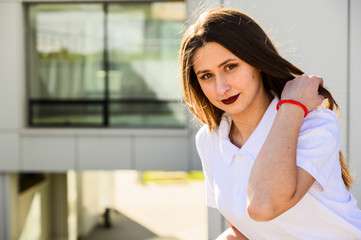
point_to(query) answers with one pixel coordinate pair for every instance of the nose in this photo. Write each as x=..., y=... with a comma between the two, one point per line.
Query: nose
x=222, y=85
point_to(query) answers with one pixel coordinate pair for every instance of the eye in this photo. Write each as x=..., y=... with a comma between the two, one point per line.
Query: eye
x=231, y=66
x=206, y=76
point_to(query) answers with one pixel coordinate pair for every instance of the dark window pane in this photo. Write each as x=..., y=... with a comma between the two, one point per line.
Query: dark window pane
x=147, y=114
x=75, y=114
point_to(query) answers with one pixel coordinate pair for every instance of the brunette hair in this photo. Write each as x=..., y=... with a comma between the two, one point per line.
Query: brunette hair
x=242, y=36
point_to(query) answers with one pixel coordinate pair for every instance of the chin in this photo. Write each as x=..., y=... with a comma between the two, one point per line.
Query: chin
x=235, y=111
x=232, y=109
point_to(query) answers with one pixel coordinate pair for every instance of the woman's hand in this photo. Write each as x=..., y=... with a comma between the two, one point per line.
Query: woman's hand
x=304, y=89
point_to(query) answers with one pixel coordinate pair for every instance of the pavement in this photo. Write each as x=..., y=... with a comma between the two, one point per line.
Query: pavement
x=124, y=228
x=156, y=211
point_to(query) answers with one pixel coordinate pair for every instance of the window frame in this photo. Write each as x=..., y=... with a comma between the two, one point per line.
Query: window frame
x=106, y=101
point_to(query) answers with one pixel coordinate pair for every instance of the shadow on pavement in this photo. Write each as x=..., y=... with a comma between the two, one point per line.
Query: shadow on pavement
x=123, y=228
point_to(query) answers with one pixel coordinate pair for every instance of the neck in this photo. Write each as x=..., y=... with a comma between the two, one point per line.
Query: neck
x=244, y=124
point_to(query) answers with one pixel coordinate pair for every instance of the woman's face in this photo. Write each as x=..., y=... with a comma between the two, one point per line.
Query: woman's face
x=229, y=83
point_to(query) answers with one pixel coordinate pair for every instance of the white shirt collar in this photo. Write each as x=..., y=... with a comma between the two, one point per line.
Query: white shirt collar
x=254, y=143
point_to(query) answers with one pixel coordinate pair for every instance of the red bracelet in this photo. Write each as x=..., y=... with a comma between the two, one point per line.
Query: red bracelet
x=293, y=102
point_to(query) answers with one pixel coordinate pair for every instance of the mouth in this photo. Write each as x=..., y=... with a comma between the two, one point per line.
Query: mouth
x=231, y=99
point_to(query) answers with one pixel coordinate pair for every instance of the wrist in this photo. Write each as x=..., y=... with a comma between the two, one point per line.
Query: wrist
x=292, y=104
x=292, y=111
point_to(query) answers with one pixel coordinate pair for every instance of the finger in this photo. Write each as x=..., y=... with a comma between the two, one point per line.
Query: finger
x=319, y=79
x=321, y=82
x=304, y=75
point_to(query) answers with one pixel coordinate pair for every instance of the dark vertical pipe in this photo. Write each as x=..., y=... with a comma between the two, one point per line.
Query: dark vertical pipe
x=106, y=68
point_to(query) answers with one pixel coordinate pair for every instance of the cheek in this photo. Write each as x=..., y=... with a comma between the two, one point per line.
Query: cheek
x=207, y=90
x=210, y=94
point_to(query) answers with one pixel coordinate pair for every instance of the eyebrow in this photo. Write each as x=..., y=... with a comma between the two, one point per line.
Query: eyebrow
x=220, y=65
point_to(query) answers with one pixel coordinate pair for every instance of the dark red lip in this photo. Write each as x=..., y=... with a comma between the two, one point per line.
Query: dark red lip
x=230, y=100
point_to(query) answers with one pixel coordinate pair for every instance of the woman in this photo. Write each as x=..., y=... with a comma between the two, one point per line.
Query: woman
x=272, y=168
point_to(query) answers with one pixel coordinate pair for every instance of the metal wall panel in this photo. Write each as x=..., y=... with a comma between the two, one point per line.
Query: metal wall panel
x=161, y=153
x=10, y=64
x=9, y=151
x=104, y=153
x=355, y=95
x=54, y=154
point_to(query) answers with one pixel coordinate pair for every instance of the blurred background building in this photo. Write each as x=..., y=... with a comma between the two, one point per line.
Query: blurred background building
x=90, y=87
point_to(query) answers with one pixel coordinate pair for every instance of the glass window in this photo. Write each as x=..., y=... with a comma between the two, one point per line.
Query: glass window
x=67, y=113
x=66, y=51
x=106, y=64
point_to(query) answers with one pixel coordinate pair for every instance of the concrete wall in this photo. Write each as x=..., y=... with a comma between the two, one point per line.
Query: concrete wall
x=95, y=190
x=33, y=212
x=354, y=94
x=6, y=220
x=64, y=206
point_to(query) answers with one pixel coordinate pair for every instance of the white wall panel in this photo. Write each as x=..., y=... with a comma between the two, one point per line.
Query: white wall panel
x=10, y=64
x=195, y=7
x=48, y=154
x=104, y=153
x=9, y=151
x=355, y=95
x=161, y=153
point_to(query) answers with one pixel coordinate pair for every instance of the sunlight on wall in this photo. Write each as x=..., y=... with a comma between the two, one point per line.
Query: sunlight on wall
x=72, y=206
x=95, y=194
x=32, y=227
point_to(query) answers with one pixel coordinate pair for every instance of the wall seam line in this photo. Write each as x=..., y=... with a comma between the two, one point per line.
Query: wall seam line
x=348, y=98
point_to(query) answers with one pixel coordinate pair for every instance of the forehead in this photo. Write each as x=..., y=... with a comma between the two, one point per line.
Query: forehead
x=210, y=55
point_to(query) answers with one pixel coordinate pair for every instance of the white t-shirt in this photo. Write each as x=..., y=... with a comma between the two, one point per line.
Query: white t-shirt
x=328, y=211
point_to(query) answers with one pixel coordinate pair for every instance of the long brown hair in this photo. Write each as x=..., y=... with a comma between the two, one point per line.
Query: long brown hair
x=242, y=36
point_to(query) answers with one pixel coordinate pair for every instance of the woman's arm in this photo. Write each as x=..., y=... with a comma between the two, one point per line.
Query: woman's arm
x=276, y=183
x=231, y=234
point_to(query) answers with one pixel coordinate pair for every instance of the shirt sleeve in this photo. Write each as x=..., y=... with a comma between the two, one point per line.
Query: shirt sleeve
x=318, y=146
x=208, y=177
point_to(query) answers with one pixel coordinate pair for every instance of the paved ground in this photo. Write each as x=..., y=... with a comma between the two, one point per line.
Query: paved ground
x=174, y=211
x=124, y=228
